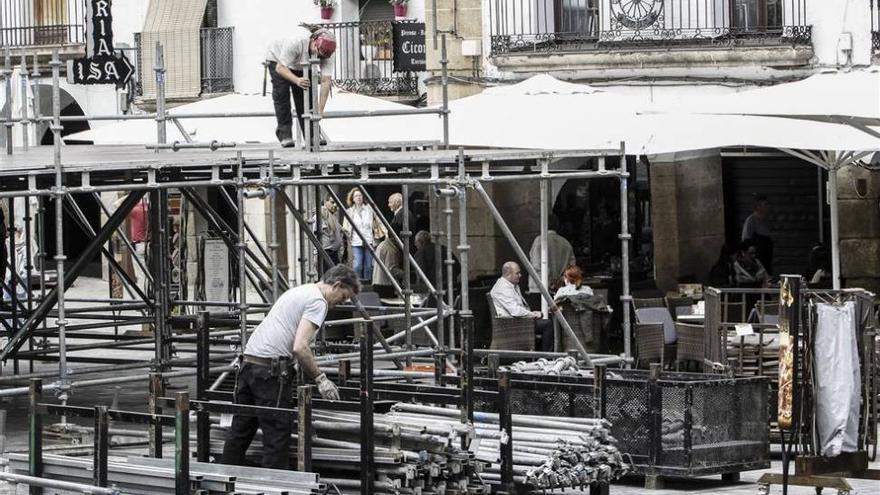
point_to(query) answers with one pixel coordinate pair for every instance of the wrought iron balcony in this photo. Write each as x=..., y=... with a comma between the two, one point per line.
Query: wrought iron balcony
x=215, y=59
x=523, y=26
x=365, y=60
x=29, y=23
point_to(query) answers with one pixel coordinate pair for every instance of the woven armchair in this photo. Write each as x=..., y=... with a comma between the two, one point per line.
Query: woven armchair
x=691, y=343
x=589, y=337
x=648, y=302
x=655, y=335
x=511, y=334
x=649, y=342
x=674, y=303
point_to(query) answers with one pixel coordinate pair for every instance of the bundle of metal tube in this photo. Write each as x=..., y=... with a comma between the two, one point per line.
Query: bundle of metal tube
x=411, y=455
x=563, y=366
x=547, y=453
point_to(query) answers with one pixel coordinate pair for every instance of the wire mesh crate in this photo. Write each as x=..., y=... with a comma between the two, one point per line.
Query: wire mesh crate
x=680, y=424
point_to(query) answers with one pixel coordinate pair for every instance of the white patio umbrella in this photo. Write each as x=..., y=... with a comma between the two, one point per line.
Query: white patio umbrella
x=262, y=129
x=543, y=112
x=847, y=99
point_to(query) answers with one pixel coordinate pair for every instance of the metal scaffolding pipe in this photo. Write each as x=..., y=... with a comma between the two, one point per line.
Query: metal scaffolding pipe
x=625, y=237
x=59, y=222
x=35, y=481
x=11, y=392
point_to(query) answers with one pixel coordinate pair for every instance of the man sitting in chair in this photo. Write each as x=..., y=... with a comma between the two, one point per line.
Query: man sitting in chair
x=509, y=303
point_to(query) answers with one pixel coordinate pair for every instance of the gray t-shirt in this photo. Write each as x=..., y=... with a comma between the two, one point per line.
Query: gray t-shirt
x=274, y=336
x=293, y=51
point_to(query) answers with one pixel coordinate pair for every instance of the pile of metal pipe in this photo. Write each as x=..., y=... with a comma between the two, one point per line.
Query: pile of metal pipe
x=562, y=366
x=149, y=476
x=411, y=455
x=570, y=452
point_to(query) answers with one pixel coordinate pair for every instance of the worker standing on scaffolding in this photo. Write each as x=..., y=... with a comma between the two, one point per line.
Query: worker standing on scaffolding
x=284, y=59
x=266, y=375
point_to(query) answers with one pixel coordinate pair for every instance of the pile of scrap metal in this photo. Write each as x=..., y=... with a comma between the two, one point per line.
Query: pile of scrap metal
x=411, y=455
x=571, y=452
x=148, y=476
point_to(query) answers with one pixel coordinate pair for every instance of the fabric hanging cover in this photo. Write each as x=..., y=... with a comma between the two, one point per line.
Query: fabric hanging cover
x=838, y=378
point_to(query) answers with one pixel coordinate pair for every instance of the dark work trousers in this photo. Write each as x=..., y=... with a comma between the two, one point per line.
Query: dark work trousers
x=281, y=93
x=544, y=329
x=256, y=386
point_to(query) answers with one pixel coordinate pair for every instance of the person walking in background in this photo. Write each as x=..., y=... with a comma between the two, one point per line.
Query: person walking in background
x=365, y=220
x=395, y=204
x=756, y=229
x=331, y=231
x=560, y=254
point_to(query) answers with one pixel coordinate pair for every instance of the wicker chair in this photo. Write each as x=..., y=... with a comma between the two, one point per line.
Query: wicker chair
x=691, y=344
x=510, y=334
x=655, y=334
x=648, y=302
x=590, y=340
x=679, y=305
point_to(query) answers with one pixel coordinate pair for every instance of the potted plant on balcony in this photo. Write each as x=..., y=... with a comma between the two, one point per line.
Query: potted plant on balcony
x=399, y=7
x=326, y=8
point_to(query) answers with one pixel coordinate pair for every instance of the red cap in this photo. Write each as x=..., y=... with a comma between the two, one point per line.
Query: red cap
x=325, y=43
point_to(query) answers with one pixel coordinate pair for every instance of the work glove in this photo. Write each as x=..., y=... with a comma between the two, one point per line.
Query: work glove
x=327, y=388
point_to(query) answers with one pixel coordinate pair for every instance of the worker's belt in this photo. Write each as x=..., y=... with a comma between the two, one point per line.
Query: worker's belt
x=267, y=362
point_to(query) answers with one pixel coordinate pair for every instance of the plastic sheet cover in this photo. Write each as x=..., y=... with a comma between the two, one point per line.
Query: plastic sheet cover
x=838, y=379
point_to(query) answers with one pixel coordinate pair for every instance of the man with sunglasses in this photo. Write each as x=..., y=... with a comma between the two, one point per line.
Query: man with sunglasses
x=284, y=59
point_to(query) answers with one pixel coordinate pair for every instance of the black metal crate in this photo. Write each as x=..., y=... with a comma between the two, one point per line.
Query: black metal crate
x=700, y=424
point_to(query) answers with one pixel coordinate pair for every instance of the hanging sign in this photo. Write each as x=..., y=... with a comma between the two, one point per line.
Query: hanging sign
x=409, y=46
x=101, y=65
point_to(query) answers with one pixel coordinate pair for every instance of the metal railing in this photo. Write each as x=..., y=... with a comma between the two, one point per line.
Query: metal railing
x=216, y=47
x=875, y=25
x=215, y=59
x=41, y=22
x=365, y=60
x=522, y=26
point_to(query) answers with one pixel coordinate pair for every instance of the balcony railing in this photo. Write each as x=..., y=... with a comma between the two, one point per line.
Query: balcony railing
x=215, y=60
x=522, y=26
x=365, y=59
x=875, y=25
x=41, y=22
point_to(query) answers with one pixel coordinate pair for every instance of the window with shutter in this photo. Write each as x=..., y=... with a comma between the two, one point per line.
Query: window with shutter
x=174, y=24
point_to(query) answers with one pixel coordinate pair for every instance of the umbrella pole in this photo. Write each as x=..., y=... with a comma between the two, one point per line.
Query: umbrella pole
x=835, y=226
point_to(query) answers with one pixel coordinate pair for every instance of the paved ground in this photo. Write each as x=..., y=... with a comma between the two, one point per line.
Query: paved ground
x=133, y=397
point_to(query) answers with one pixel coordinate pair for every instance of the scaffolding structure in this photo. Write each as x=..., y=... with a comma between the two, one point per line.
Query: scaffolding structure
x=42, y=322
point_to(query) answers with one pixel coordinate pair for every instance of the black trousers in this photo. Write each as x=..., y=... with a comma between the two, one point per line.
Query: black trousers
x=255, y=385
x=544, y=329
x=282, y=89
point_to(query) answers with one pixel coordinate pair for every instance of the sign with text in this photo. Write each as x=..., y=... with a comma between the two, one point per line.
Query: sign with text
x=409, y=46
x=101, y=65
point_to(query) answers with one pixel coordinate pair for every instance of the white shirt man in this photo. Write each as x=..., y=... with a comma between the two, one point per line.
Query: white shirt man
x=265, y=376
x=507, y=296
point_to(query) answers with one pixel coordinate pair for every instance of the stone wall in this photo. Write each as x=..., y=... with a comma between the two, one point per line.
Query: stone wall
x=858, y=192
x=465, y=18
x=687, y=209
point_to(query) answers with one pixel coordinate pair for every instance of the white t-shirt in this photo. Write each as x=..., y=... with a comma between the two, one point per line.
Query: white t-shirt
x=293, y=50
x=274, y=336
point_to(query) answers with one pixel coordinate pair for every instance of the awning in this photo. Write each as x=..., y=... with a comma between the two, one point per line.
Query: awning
x=175, y=24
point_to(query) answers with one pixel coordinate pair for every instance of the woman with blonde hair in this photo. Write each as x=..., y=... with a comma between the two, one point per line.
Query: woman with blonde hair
x=367, y=223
